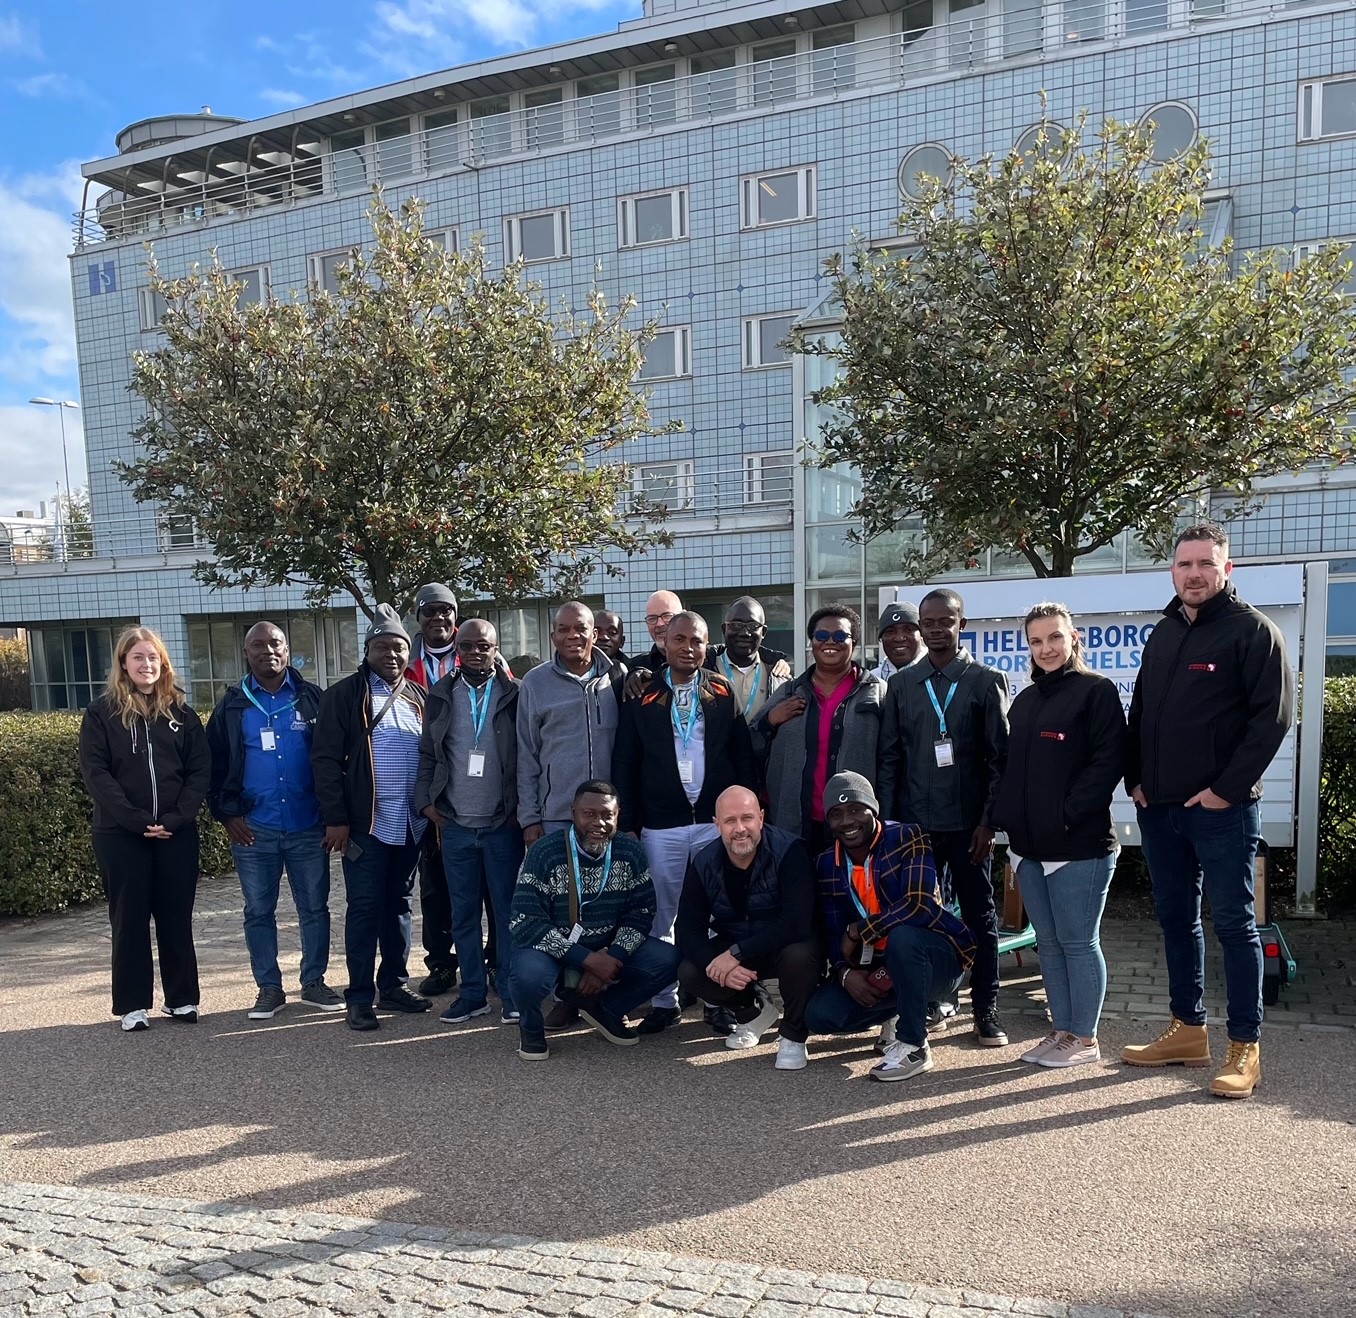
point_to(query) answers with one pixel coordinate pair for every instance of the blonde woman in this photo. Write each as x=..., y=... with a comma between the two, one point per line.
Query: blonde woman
x=144, y=758
x=1065, y=749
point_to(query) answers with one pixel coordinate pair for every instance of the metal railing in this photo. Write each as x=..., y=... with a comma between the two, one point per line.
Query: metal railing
x=996, y=31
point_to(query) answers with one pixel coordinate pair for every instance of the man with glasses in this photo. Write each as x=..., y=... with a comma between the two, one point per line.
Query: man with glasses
x=754, y=671
x=659, y=611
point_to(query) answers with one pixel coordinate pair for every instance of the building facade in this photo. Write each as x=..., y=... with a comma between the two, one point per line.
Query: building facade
x=705, y=158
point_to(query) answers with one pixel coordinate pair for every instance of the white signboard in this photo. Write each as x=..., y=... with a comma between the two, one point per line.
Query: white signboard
x=1115, y=615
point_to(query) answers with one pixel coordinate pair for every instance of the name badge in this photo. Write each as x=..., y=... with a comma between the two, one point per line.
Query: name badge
x=576, y=933
x=267, y=740
x=685, y=768
x=475, y=764
x=945, y=753
x=868, y=954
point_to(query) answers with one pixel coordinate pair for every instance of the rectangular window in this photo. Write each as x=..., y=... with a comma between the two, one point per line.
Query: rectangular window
x=540, y=236
x=774, y=72
x=491, y=127
x=447, y=239
x=179, y=531
x=324, y=268
x=152, y=306
x=254, y=283
x=1327, y=109
x=713, y=87
x=767, y=477
x=347, y=161
x=1304, y=250
x=834, y=62
x=763, y=337
x=672, y=484
x=778, y=198
x=656, y=95
x=653, y=217
x=442, y=150
x=544, y=118
x=395, y=149
x=597, y=106
x=669, y=356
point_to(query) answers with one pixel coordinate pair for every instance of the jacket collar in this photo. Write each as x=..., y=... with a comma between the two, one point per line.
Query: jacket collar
x=602, y=667
x=1208, y=611
x=1048, y=683
x=922, y=670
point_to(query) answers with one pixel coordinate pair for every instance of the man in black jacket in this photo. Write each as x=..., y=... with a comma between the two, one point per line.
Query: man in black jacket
x=679, y=746
x=263, y=792
x=1213, y=701
x=753, y=670
x=746, y=916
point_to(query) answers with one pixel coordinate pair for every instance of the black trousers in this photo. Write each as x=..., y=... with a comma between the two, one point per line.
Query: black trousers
x=149, y=879
x=796, y=970
x=435, y=908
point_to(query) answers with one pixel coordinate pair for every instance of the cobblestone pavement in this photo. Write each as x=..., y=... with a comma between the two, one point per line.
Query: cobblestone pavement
x=79, y=1252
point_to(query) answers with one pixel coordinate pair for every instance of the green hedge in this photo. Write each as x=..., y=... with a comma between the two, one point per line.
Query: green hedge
x=1337, y=799
x=46, y=858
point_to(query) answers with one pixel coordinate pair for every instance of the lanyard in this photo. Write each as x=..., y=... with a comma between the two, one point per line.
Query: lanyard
x=684, y=731
x=757, y=682
x=870, y=888
x=944, y=706
x=479, y=712
x=435, y=665
x=578, y=870
x=250, y=696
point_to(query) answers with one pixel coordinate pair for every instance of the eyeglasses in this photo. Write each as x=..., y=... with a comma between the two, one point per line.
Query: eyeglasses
x=474, y=647
x=838, y=638
x=653, y=619
x=743, y=629
x=437, y=611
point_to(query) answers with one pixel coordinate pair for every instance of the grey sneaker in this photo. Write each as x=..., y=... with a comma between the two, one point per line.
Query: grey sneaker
x=903, y=1060
x=267, y=1005
x=322, y=997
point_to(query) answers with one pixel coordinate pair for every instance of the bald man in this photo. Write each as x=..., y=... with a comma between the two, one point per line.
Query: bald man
x=746, y=916
x=660, y=609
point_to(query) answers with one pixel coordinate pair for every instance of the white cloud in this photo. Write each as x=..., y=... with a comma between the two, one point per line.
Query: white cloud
x=18, y=37
x=52, y=86
x=420, y=32
x=282, y=97
x=30, y=455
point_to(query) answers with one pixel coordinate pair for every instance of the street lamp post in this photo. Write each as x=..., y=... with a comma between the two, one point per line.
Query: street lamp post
x=63, y=514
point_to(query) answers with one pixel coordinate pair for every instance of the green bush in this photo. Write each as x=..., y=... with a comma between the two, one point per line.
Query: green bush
x=46, y=857
x=14, y=692
x=1337, y=798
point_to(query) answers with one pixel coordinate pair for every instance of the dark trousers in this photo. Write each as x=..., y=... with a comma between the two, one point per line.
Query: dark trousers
x=435, y=906
x=379, y=888
x=972, y=886
x=149, y=879
x=795, y=968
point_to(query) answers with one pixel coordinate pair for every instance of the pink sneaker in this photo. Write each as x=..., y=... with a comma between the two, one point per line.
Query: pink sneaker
x=1035, y=1054
x=1071, y=1051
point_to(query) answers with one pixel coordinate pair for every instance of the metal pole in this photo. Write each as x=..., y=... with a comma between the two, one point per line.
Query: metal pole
x=66, y=468
x=1314, y=647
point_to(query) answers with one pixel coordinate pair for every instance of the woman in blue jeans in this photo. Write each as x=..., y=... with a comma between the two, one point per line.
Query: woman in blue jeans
x=1065, y=752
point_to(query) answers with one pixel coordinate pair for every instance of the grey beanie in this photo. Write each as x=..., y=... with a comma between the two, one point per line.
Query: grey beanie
x=847, y=786
x=893, y=614
x=385, y=622
x=434, y=593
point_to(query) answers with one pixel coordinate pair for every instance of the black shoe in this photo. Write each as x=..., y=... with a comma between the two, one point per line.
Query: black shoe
x=939, y=1014
x=267, y=1005
x=438, y=982
x=562, y=1016
x=533, y=1049
x=660, y=1018
x=686, y=999
x=361, y=1017
x=721, y=1020
x=989, y=1030
x=610, y=1026
x=401, y=999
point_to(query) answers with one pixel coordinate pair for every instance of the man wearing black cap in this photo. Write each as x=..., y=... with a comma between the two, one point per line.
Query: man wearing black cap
x=365, y=756
x=894, y=944
x=900, y=640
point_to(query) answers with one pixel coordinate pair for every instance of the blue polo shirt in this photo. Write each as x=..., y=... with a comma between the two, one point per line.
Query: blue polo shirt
x=278, y=782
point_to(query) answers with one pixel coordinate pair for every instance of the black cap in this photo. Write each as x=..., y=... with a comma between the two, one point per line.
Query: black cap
x=893, y=614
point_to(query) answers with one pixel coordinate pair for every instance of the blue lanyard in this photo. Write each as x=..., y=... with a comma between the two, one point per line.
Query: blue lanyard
x=250, y=696
x=579, y=870
x=944, y=706
x=479, y=712
x=685, y=732
x=757, y=682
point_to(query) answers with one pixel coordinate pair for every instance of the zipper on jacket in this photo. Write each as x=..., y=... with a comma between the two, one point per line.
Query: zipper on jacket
x=150, y=761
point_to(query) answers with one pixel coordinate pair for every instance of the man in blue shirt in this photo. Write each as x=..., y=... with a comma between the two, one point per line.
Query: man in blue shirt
x=263, y=792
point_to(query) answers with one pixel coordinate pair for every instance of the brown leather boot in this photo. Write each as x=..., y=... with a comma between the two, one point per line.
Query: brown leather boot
x=1241, y=1071
x=1179, y=1045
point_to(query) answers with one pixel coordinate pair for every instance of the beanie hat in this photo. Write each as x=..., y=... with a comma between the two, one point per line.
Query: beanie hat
x=847, y=786
x=434, y=593
x=900, y=611
x=385, y=622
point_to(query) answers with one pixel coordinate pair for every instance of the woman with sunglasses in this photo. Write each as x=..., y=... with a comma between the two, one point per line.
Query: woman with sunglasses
x=824, y=722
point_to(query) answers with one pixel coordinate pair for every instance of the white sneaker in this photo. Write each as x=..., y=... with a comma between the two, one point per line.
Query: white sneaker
x=791, y=1056
x=1035, y=1054
x=1071, y=1051
x=903, y=1060
x=136, y=1020
x=749, y=1033
x=187, y=1014
x=887, y=1036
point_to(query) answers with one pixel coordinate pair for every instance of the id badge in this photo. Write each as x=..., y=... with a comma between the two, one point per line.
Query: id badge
x=685, y=772
x=475, y=764
x=576, y=933
x=868, y=954
x=267, y=740
x=945, y=753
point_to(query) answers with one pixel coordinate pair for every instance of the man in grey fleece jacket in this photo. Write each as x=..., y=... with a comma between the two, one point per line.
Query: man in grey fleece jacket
x=567, y=722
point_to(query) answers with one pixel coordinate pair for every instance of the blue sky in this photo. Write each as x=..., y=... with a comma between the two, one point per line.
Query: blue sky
x=72, y=75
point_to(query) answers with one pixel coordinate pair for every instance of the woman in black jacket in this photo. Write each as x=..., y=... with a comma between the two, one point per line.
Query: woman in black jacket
x=1065, y=752
x=144, y=758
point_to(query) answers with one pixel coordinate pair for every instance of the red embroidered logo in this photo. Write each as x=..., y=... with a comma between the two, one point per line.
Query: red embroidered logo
x=1200, y=668
x=1053, y=736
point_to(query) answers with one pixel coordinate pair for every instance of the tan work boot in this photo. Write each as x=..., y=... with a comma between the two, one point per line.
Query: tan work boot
x=1241, y=1071
x=1179, y=1045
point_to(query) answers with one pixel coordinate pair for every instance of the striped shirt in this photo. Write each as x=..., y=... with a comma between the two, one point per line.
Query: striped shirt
x=395, y=765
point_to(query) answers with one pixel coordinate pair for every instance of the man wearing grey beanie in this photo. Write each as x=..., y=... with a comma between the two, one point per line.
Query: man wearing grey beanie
x=901, y=643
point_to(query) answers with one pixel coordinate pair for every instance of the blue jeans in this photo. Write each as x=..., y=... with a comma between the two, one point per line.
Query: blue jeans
x=972, y=887
x=1066, y=911
x=260, y=868
x=379, y=885
x=924, y=966
x=1188, y=849
x=652, y=965
x=476, y=860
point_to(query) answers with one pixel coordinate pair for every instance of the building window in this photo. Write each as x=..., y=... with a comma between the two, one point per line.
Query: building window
x=178, y=531
x=767, y=477
x=1172, y=128
x=1305, y=250
x=491, y=127
x=395, y=149
x=69, y=665
x=254, y=284
x=442, y=150
x=672, y=484
x=656, y=95
x=713, y=87
x=544, y=118
x=152, y=308
x=929, y=160
x=540, y=236
x=652, y=217
x=1327, y=108
x=323, y=268
x=834, y=61
x=447, y=239
x=773, y=72
x=348, y=164
x=763, y=339
x=782, y=197
x=597, y=106
x=669, y=355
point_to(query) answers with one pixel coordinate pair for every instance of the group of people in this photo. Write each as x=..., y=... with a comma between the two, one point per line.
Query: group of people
x=614, y=839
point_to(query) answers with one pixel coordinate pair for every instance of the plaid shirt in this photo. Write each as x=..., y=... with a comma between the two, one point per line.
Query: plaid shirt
x=906, y=882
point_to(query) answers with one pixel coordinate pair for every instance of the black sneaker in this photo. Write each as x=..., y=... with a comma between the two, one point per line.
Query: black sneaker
x=721, y=1020
x=267, y=1005
x=361, y=1017
x=401, y=999
x=940, y=1015
x=610, y=1026
x=989, y=1030
x=659, y=1018
x=533, y=1049
x=185, y=1015
x=562, y=1016
x=438, y=982
x=322, y=997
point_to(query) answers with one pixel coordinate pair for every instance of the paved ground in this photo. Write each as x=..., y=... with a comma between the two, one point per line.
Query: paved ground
x=1128, y=1189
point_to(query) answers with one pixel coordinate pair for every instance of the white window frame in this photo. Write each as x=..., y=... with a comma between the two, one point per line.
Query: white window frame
x=626, y=217
x=446, y=236
x=748, y=196
x=1310, y=110
x=1315, y=245
x=513, y=240
x=177, y=533
x=755, y=475
x=315, y=267
x=146, y=310
x=265, y=273
x=684, y=477
x=752, y=340
x=682, y=354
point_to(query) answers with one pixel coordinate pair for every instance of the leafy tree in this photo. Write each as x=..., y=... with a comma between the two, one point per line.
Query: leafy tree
x=1055, y=357
x=77, y=528
x=430, y=422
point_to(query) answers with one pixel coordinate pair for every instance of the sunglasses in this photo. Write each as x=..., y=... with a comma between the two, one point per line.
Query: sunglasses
x=838, y=638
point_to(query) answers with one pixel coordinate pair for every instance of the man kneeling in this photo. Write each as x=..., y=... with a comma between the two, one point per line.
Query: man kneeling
x=582, y=911
x=746, y=915
x=896, y=946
